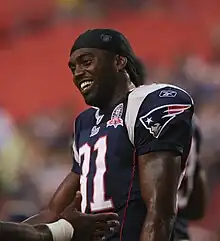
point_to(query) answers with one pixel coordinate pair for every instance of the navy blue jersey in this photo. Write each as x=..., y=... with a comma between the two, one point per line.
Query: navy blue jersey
x=107, y=143
x=187, y=187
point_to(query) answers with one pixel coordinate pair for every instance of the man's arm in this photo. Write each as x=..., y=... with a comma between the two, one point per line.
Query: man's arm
x=159, y=177
x=159, y=124
x=73, y=225
x=85, y=228
x=63, y=196
x=24, y=232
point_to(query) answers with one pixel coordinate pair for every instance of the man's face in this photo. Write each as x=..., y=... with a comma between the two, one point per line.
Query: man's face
x=94, y=74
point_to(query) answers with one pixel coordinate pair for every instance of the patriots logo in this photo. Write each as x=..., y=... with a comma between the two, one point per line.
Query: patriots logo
x=156, y=120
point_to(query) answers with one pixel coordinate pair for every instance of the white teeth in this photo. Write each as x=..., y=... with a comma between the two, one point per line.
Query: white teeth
x=85, y=84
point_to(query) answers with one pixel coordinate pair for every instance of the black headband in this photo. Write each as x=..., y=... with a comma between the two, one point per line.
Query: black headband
x=106, y=39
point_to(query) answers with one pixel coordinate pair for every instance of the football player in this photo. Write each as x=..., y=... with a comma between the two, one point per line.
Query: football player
x=130, y=147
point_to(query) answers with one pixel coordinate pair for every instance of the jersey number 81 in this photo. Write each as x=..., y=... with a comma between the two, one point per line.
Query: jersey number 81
x=99, y=202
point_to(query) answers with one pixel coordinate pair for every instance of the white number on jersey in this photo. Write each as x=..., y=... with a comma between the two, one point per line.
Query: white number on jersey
x=98, y=201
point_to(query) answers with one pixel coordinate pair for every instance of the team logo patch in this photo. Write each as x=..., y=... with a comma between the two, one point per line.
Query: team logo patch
x=116, y=119
x=158, y=118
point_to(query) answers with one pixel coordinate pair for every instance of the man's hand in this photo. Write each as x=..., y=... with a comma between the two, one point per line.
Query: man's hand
x=89, y=226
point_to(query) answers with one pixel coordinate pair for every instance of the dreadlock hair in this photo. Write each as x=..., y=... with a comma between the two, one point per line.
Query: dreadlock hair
x=136, y=71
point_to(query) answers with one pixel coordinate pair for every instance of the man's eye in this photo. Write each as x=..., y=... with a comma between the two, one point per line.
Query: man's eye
x=87, y=62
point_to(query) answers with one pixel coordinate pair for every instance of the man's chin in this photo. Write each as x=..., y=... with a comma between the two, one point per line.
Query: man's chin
x=90, y=100
x=95, y=99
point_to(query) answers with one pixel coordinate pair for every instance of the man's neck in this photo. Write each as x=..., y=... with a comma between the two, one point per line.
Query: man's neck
x=119, y=95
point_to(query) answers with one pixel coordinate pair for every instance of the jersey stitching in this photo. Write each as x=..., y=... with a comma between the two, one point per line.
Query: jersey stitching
x=128, y=199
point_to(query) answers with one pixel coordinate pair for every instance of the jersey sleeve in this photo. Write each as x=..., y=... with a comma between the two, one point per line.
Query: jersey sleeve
x=75, y=155
x=159, y=118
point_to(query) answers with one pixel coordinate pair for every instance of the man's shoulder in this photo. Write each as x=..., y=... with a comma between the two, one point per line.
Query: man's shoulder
x=164, y=90
x=84, y=118
x=157, y=94
x=155, y=101
x=86, y=113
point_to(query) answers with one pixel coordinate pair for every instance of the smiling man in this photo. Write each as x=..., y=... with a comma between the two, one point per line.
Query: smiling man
x=130, y=148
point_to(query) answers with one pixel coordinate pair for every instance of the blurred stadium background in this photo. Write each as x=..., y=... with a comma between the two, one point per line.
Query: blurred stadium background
x=178, y=40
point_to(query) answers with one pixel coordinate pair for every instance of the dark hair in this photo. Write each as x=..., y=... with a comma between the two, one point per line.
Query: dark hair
x=136, y=71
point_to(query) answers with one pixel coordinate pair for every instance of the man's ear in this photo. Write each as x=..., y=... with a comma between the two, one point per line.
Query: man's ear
x=120, y=62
